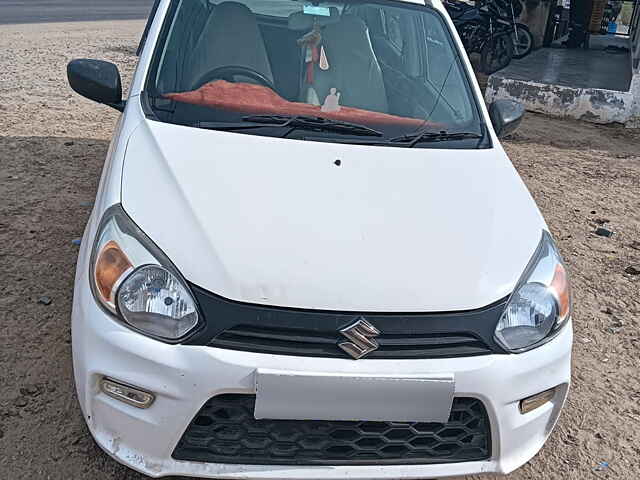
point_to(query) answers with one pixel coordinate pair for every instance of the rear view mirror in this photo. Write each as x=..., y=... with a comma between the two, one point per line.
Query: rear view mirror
x=506, y=116
x=96, y=80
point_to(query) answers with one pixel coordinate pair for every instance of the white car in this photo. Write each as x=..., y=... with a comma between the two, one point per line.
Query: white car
x=309, y=255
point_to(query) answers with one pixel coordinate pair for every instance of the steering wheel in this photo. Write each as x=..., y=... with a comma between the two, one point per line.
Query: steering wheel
x=227, y=73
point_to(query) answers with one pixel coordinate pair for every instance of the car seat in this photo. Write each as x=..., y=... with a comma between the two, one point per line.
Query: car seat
x=353, y=70
x=230, y=37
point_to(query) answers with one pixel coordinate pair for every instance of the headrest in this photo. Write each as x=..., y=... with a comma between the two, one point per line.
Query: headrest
x=321, y=15
x=233, y=8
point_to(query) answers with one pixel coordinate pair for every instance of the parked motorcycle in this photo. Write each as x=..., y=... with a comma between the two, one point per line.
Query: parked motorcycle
x=522, y=37
x=484, y=31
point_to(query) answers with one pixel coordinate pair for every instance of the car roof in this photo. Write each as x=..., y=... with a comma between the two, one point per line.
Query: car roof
x=434, y=3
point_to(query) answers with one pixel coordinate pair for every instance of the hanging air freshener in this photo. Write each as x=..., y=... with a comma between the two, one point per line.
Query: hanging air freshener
x=310, y=42
x=324, y=63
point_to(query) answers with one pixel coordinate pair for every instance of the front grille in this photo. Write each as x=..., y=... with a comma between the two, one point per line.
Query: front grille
x=289, y=341
x=225, y=431
x=316, y=333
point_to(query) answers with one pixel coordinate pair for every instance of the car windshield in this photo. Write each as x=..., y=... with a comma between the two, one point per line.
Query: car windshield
x=383, y=72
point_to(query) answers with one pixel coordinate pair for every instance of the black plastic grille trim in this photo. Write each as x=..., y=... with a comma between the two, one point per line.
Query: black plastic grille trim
x=225, y=431
x=284, y=341
x=316, y=333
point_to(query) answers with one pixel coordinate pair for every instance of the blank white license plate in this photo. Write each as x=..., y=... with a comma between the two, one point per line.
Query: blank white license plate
x=289, y=395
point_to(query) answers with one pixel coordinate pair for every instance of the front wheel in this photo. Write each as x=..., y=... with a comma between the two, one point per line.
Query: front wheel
x=496, y=53
x=522, y=41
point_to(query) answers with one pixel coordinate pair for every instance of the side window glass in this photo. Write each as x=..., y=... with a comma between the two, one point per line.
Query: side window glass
x=397, y=40
x=438, y=54
x=442, y=73
x=393, y=29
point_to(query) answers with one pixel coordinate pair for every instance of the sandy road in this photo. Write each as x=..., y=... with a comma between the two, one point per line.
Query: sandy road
x=52, y=145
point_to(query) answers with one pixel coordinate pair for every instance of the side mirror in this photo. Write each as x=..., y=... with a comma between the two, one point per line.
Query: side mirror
x=97, y=80
x=506, y=116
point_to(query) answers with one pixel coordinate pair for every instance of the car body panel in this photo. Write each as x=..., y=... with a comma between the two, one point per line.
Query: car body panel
x=275, y=221
x=184, y=377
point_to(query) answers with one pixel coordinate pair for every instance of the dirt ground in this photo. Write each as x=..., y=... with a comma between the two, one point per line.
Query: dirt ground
x=52, y=146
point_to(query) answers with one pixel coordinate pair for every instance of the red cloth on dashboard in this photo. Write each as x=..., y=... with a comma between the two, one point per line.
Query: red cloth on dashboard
x=260, y=100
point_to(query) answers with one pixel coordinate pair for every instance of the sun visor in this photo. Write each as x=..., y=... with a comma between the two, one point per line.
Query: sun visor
x=305, y=20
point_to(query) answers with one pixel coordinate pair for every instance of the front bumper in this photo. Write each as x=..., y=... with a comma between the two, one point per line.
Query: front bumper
x=183, y=378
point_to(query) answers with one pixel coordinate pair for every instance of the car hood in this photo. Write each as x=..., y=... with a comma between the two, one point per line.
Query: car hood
x=278, y=222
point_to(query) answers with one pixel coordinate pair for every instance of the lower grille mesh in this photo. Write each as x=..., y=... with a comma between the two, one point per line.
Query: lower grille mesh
x=225, y=431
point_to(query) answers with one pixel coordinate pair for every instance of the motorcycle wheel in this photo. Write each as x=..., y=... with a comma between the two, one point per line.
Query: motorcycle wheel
x=522, y=41
x=496, y=53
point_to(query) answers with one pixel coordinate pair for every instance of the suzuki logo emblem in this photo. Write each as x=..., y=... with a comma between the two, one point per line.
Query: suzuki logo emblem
x=362, y=335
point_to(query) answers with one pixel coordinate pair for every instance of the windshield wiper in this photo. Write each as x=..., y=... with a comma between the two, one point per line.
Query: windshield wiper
x=320, y=123
x=414, y=138
x=292, y=123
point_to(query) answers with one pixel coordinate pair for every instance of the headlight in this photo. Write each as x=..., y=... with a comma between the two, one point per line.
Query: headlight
x=541, y=303
x=135, y=281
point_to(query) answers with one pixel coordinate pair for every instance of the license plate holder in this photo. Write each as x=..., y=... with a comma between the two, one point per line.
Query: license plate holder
x=288, y=395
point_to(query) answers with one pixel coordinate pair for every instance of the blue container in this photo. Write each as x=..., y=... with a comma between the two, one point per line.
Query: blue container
x=613, y=27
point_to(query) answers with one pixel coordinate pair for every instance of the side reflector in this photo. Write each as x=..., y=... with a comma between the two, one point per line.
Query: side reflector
x=531, y=403
x=126, y=393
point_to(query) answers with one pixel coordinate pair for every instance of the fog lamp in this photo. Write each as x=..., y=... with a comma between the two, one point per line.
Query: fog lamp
x=126, y=393
x=531, y=403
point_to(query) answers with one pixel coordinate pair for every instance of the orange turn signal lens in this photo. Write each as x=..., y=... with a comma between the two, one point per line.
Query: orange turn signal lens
x=111, y=264
x=562, y=291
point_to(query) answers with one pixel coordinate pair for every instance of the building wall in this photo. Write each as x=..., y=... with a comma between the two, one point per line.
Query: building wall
x=635, y=41
x=535, y=15
x=635, y=64
x=597, y=14
x=588, y=104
